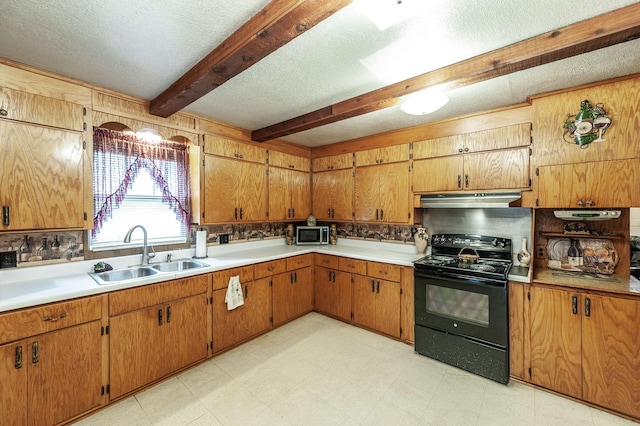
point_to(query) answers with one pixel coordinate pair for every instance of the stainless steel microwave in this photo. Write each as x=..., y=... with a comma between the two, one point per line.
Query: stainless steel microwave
x=311, y=235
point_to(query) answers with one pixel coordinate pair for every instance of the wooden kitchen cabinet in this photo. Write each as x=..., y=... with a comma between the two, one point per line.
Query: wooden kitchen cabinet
x=289, y=161
x=376, y=304
x=41, y=177
x=333, y=195
x=156, y=330
x=518, y=135
x=332, y=162
x=252, y=318
x=293, y=291
x=382, y=193
x=516, y=329
x=234, y=190
x=332, y=288
x=504, y=169
x=289, y=194
x=586, y=346
x=600, y=184
x=387, y=154
x=52, y=377
x=225, y=147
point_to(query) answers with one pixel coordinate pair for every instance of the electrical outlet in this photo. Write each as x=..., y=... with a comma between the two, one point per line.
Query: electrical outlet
x=540, y=252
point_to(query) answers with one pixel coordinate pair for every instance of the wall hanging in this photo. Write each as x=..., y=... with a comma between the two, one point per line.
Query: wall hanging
x=587, y=126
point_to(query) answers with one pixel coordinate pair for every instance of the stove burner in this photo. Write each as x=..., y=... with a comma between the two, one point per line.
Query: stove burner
x=482, y=267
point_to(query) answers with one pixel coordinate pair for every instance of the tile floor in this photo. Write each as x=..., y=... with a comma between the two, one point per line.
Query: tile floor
x=319, y=371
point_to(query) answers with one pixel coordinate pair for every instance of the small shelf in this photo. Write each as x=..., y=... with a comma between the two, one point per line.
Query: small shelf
x=563, y=235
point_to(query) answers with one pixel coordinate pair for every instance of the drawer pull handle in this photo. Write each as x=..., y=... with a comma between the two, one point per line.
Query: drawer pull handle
x=168, y=314
x=64, y=315
x=6, y=221
x=18, y=364
x=34, y=353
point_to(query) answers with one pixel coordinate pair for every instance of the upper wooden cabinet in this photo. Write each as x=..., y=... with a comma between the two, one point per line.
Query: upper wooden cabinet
x=289, y=194
x=225, y=147
x=41, y=177
x=36, y=109
x=234, y=190
x=388, y=154
x=504, y=169
x=382, y=193
x=514, y=136
x=332, y=162
x=620, y=100
x=288, y=161
x=588, y=185
x=333, y=195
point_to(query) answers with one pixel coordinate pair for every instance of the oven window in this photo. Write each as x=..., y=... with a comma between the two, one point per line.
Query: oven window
x=458, y=304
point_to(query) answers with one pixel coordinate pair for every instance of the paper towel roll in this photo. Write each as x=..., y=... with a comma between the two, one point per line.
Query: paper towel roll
x=201, y=244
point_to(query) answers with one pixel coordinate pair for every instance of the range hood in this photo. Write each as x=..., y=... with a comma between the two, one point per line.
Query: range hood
x=469, y=200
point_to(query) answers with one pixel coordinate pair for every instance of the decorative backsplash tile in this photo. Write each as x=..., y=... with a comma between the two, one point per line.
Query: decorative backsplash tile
x=70, y=248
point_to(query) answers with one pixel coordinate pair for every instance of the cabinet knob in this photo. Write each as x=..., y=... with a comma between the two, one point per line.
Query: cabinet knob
x=4, y=112
x=591, y=203
x=460, y=150
x=466, y=150
x=580, y=203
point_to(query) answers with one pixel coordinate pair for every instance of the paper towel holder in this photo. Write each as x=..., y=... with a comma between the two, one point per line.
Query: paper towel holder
x=198, y=242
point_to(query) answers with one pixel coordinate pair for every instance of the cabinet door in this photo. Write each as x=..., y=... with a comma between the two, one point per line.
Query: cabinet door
x=37, y=109
x=135, y=349
x=556, y=340
x=185, y=332
x=508, y=169
x=257, y=304
x=225, y=147
x=438, y=174
x=364, y=310
x=300, y=194
x=41, y=177
x=304, y=291
x=65, y=379
x=222, y=187
x=498, y=138
x=253, y=192
x=516, y=330
x=283, y=293
x=613, y=183
x=279, y=195
x=367, y=194
x=333, y=162
x=324, y=289
x=226, y=324
x=611, y=353
x=439, y=147
x=387, y=307
x=289, y=161
x=561, y=186
x=333, y=195
x=393, y=196
x=387, y=154
x=14, y=359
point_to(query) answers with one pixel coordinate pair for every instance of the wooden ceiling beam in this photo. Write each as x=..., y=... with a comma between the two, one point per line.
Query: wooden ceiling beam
x=274, y=26
x=602, y=31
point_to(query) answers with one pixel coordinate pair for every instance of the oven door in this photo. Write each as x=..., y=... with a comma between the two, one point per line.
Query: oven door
x=463, y=305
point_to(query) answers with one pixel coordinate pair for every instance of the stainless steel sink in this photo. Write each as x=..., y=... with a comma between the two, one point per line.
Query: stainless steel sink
x=120, y=275
x=178, y=265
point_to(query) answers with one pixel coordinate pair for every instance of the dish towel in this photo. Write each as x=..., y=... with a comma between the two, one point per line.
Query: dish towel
x=234, y=297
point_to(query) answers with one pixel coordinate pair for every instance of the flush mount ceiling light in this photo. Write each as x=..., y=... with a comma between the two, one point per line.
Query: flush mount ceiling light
x=387, y=13
x=423, y=103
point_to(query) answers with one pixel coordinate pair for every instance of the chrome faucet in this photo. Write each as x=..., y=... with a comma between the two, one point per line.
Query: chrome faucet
x=145, y=249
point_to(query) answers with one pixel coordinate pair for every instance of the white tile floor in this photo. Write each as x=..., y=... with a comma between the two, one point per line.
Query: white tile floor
x=318, y=371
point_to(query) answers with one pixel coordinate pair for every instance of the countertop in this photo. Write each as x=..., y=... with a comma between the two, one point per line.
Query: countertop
x=25, y=287
x=618, y=284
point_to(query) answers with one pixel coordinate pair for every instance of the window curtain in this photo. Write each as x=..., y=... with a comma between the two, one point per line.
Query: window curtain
x=117, y=159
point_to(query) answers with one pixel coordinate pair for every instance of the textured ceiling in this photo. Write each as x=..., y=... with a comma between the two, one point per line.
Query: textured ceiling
x=141, y=47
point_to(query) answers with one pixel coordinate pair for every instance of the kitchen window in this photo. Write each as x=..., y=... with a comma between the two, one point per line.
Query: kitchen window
x=138, y=182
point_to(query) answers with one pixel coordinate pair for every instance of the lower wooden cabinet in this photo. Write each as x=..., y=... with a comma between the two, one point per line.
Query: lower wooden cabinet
x=59, y=376
x=333, y=293
x=293, y=292
x=376, y=304
x=151, y=342
x=239, y=324
x=586, y=346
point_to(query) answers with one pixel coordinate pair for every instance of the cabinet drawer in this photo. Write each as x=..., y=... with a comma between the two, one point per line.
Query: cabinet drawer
x=33, y=321
x=298, y=262
x=154, y=294
x=326, y=261
x=267, y=269
x=221, y=278
x=384, y=271
x=352, y=265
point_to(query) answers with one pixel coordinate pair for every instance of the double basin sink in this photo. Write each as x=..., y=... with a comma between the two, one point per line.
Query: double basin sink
x=137, y=272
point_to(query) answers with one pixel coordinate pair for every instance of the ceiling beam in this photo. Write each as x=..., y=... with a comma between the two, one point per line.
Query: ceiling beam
x=602, y=31
x=274, y=26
